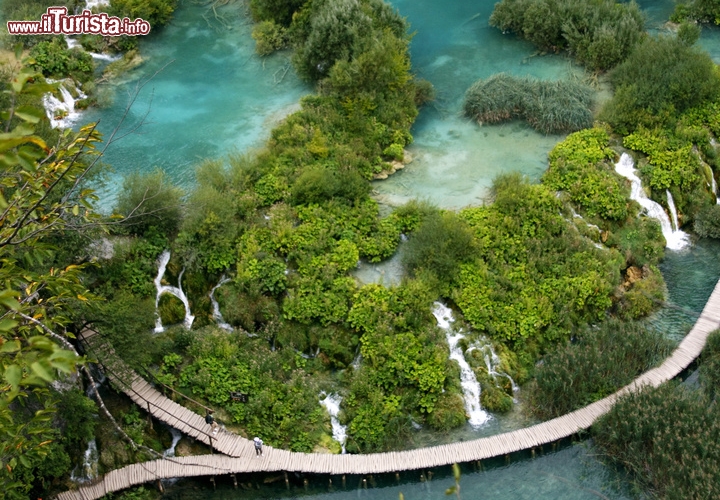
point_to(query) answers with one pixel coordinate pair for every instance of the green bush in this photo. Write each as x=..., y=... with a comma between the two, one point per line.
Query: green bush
x=277, y=11
x=171, y=309
x=534, y=278
x=53, y=58
x=581, y=165
x=600, y=34
x=449, y=412
x=601, y=361
x=268, y=37
x=710, y=365
x=707, y=222
x=440, y=245
x=150, y=200
x=549, y=107
x=676, y=77
x=659, y=435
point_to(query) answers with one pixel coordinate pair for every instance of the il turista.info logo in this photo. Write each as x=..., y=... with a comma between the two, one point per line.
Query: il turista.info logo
x=56, y=21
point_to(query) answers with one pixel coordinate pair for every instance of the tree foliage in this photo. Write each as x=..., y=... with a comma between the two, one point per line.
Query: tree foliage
x=600, y=34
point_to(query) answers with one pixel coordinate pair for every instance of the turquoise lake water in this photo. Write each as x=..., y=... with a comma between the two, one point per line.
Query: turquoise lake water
x=217, y=97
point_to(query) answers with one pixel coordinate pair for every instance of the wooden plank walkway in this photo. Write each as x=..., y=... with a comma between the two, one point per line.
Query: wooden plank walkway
x=239, y=455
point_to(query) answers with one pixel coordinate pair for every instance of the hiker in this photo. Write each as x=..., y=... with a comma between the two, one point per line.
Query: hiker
x=258, y=446
x=210, y=420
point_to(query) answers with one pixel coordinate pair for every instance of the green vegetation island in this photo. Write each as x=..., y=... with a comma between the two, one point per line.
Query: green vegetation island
x=244, y=283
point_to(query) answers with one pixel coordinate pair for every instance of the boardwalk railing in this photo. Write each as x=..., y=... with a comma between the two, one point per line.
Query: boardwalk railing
x=240, y=457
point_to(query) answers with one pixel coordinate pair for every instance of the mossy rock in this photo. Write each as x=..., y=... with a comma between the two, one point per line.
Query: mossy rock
x=449, y=412
x=171, y=309
x=496, y=400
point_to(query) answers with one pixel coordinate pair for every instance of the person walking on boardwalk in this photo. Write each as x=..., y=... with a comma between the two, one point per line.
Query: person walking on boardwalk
x=258, y=446
x=210, y=420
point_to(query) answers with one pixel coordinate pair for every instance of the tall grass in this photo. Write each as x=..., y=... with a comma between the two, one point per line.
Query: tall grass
x=549, y=107
x=601, y=361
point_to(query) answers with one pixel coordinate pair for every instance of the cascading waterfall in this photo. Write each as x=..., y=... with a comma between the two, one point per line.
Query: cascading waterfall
x=176, y=291
x=217, y=316
x=61, y=113
x=176, y=436
x=89, y=468
x=675, y=239
x=331, y=402
x=715, y=190
x=468, y=381
x=673, y=210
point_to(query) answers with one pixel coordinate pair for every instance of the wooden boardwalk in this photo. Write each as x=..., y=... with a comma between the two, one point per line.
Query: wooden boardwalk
x=239, y=455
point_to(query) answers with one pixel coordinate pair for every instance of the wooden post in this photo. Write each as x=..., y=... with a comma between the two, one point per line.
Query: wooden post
x=234, y=478
x=212, y=479
x=160, y=487
x=343, y=481
x=287, y=482
x=430, y=475
x=330, y=483
x=364, y=483
x=305, y=483
x=397, y=477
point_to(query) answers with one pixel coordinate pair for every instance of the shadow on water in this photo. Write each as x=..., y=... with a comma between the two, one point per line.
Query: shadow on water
x=571, y=472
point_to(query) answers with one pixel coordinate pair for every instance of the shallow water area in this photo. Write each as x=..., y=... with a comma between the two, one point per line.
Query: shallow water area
x=455, y=159
x=212, y=95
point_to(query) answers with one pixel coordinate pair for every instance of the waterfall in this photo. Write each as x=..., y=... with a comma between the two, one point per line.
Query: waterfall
x=176, y=291
x=492, y=361
x=176, y=436
x=673, y=210
x=468, y=381
x=331, y=402
x=715, y=190
x=217, y=316
x=61, y=113
x=675, y=239
x=89, y=469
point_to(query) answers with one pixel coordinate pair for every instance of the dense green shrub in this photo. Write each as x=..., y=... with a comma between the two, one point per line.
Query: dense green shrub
x=639, y=240
x=707, y=222
x=535, y=279
x=329, y=31
x=150, y=200
x=277, y=11
x=268, y=37
x=440, y=245
x=676, y=77
x=581, y=165
x=600, y=34
x=704, y=11
x=668, y=437
x=549, y=107
x=282, y=403
x=710, y=365
x=601, y=360
x=643, y=295
x=53, y=58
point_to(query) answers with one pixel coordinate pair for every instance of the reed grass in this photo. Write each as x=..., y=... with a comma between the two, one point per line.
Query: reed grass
x=548, y=106
x=599, y=362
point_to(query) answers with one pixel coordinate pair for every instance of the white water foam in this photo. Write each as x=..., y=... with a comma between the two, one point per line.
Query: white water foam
x=89, y=468
x=61, y=113
x=176, y=291
x=217, y=316
x=492, y=362
x=676, y=239
x=468, y=381
x=715, y=189
x=176, y=436
x=331, y=402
